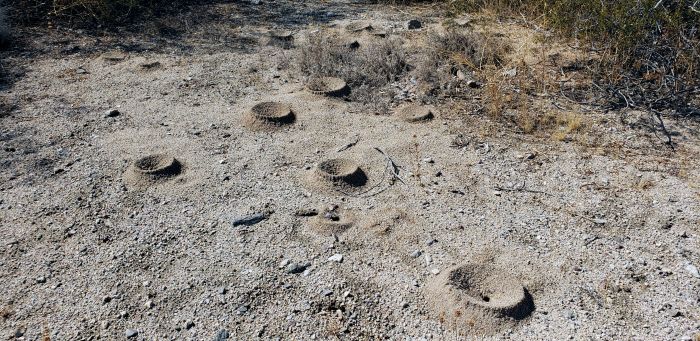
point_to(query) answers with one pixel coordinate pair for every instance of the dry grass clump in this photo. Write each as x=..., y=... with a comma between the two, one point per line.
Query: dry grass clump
x=559, y=125
x=104, y=12
x=452, y=59
x=649, y=50
x=368, y=70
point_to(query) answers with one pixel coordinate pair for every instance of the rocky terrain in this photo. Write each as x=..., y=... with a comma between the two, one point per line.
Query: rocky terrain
x=142, y=198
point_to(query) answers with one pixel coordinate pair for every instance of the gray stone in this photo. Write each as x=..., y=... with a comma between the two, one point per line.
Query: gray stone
x=242, y=310
x=249, y=220
x=693, y=270
x=336, y=258
x=221, y=335
x=131, y=333
x=296, y=268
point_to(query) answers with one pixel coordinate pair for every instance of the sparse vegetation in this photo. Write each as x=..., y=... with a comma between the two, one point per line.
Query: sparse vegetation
x=452, y=58
x=368, y=69
x=647, y=53
x=4, y=25
x=104, y=12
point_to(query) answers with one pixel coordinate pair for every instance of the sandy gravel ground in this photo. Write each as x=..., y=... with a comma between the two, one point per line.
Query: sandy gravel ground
x=604, y=243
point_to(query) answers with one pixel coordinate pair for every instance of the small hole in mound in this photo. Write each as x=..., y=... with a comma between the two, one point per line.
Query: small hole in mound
x=332, y=215
x=332, y=220
x=342, y=171
x=152, y=169
x=148, y=163
x=490, y=288
x=158, y=165
x=270, y=114
x=415, y=113
x=329, y=86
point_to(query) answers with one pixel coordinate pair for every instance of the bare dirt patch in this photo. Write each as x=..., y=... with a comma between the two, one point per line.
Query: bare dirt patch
x=266, y=234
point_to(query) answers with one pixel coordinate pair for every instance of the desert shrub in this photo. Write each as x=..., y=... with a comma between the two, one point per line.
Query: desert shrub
x=650, y=49
x=453, y=57
x=368, y=69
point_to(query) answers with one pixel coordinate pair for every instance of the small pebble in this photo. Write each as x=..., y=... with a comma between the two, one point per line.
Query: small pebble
x=416, y=254
x=241, y=310
x=284, y=263
x=131, y=333
x=336, y=258
x=222, y=335
x=112, y=113
x=296, y=268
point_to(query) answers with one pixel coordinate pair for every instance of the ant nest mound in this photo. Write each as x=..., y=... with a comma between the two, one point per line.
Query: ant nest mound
x=328, y=86
x=267, y=115
x=283, y=35
x=341, y=173
x=152, y=169
x=359, y=26
x=281, y=38
x=332, y=221
x=114, y=56
x=415, y=113
x=479, y=299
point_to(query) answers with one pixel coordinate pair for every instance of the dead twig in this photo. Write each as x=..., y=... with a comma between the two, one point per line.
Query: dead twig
x=669, y=141
x=391, y=167
x=349, y=144
x=520, y=188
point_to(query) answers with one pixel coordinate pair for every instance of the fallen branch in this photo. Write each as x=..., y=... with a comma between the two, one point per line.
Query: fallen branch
x=390, y=167
x=521, y=188
x=394, y=168
x=669, y=141
x=349, y=145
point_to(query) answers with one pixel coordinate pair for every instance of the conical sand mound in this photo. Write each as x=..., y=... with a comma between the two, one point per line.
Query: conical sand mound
x=479, y=299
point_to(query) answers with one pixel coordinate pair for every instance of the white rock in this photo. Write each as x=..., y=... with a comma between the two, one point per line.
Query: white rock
x=693, y=270
x=336, y=258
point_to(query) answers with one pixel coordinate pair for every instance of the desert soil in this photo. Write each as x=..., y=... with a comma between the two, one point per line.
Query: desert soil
x=605, y=238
